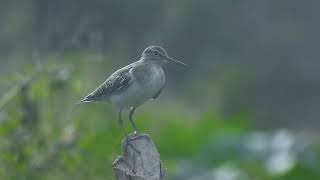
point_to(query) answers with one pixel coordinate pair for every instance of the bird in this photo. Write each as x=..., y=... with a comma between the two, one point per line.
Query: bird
x=134, y=84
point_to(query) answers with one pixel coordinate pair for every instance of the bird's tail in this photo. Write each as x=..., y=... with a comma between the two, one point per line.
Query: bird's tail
x=76, y=105
x=86, y=99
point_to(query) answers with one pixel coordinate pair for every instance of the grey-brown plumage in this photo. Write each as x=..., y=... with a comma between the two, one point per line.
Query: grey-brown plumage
x=116, y=83
x=132, y=85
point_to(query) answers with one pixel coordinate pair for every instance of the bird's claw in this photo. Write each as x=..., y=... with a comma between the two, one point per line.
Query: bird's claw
x=128, y=140
x=138, y=136
x=127, y=143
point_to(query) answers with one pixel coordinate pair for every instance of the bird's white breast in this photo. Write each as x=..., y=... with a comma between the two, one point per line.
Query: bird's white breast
x=145, y=85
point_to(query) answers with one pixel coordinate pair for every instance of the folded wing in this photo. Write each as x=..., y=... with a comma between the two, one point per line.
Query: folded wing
x=116, y=83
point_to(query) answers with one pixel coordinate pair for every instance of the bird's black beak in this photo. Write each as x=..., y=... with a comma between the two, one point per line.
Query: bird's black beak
x=176, y=62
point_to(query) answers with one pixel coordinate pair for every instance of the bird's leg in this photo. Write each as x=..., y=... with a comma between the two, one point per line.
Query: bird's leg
x=126, y=142
x=127, y=139
x=137, y=136
x=131, y=119
x=121, y=124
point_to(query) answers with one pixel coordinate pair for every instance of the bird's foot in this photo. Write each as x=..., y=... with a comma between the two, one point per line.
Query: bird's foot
x=128, y=144
x=134, y=137
x=138, y=136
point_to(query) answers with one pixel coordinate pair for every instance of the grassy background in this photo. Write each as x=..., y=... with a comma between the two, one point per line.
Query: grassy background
x=45, y=135
x=247, y=109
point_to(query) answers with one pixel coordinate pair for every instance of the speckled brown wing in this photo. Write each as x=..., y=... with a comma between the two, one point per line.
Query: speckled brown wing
x=116, y=83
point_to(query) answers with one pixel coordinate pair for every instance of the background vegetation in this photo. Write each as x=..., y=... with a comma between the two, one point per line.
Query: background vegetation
x=247, y=109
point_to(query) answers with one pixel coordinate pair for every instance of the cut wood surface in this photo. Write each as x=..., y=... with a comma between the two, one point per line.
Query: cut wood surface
x=139, y=161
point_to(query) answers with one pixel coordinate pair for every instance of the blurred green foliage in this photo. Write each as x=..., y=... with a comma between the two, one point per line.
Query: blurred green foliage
x=45, y=135
x=255, y=61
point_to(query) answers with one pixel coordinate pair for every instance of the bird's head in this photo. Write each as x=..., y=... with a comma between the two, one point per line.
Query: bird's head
x=159, y=55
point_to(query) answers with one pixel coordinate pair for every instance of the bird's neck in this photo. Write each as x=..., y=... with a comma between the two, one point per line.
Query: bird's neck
x=151, y=62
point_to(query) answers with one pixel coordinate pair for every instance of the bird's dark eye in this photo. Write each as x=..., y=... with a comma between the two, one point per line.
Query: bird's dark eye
x=156, y=53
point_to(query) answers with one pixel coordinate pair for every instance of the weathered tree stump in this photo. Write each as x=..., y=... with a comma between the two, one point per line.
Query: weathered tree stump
x=139, y=161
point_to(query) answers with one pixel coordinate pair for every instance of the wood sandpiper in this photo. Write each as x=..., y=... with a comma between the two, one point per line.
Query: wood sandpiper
x=134, y=84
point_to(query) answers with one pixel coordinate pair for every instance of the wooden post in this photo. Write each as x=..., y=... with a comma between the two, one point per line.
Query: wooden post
x=139, y=161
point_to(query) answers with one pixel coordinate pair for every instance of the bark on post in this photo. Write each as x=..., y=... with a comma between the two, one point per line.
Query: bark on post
x=139, y=161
